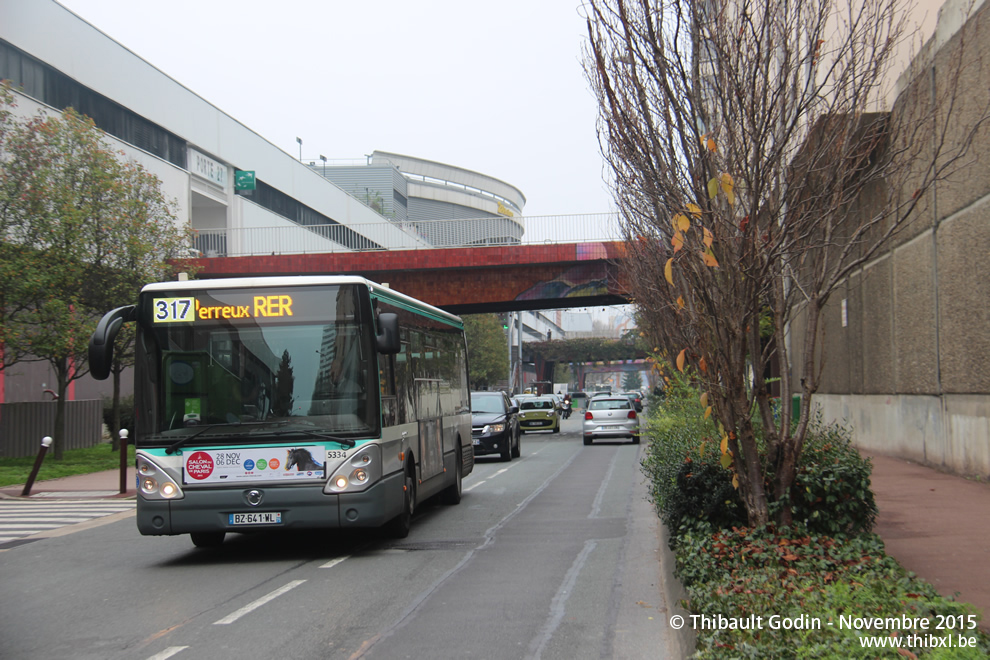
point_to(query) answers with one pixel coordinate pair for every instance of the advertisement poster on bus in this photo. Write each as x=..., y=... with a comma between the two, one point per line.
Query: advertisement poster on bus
x=253, y=464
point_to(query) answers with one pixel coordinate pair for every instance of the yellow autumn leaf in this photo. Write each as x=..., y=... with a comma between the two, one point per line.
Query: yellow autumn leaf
x=729, y=187
x=668, y=270
x=703, y=365
x=735, y=481
x=725, y=444
x=711, y=145
x=704, y=399
x=701, y=449
x=680, y=359
x=709, y=237
x=708, y=412
x=683, y=223
x=694, y=210
x=712, y=187
x=677, y=241
x=710, y=259
x=726, y=460
x=680, y=302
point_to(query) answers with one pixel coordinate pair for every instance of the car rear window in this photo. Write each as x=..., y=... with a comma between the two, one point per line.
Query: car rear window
x=536, y=405
x=609, y=404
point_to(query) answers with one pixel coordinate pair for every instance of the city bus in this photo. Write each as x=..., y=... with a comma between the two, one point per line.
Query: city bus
x=300, y=402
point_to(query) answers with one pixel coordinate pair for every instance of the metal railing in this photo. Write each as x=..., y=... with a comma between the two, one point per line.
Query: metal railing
x=426, y=234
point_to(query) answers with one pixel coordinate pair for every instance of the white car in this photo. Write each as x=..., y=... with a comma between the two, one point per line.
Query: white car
x=611, y=417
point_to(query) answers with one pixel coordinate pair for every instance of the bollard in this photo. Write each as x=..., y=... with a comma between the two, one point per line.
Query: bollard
x=123, y=460
x=46, y=442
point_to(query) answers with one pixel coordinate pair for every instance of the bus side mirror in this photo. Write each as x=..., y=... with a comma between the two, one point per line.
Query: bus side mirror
x=101, y=343
x=387, y=340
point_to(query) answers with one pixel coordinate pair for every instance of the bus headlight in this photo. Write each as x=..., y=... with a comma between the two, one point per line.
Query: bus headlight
x=360, y=470
x=154, y=483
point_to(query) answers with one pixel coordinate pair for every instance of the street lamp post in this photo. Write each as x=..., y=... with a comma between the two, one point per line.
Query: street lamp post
x=299, y=140
x=324, y=159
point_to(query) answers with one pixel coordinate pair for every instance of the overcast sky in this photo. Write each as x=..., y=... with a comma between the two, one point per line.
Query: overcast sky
x=493, y=87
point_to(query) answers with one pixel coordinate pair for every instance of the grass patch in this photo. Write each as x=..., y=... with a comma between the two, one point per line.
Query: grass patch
x=15, y=471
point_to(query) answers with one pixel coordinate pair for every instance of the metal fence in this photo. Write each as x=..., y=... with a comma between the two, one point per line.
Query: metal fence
x=23, y=425
x=475, y=232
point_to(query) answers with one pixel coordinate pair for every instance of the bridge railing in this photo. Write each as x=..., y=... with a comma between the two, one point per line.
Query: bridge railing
x=427, y=234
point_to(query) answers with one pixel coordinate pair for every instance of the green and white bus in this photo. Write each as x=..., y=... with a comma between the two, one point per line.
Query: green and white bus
x=291, y=402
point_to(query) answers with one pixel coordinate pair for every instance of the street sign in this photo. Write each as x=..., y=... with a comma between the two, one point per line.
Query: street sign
x=244, y=180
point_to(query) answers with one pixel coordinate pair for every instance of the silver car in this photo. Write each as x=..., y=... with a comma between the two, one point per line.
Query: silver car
x=611, y=417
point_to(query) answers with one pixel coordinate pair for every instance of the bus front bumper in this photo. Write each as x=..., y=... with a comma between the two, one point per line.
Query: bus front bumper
x=298, y=507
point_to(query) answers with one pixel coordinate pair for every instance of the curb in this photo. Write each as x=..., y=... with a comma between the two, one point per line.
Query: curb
x=674, y=592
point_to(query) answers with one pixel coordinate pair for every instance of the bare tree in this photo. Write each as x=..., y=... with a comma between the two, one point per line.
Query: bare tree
x=755, y=166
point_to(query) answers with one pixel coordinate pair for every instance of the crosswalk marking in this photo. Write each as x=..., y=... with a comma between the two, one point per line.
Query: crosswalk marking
x=20, y=519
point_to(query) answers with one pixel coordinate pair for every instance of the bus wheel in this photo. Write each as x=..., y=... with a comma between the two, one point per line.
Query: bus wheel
x=452, y=494
x=398, y=527
x=207, y=539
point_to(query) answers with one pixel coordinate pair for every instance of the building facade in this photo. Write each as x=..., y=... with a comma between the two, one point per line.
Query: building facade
x=200, y=154
x=432, y=197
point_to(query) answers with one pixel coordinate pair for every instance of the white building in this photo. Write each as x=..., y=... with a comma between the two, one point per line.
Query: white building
x=195, y=148
x=55, y=60
x=434, y=198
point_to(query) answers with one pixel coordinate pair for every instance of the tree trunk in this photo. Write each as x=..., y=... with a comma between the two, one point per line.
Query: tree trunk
x=58, y=433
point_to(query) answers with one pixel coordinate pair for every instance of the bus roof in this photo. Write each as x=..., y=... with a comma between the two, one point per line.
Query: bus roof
x=377, y=290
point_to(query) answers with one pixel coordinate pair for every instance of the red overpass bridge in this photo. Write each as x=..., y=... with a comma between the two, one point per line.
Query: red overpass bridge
x=462, y=279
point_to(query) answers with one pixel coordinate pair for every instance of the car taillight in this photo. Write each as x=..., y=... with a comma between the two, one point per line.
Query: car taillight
x=588, y=415
x=632, y=414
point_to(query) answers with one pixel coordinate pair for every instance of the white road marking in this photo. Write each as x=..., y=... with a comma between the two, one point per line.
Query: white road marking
x=597, y=505
x=250, y=607
x=334, y=562
x=168, y=653
x=558, y=604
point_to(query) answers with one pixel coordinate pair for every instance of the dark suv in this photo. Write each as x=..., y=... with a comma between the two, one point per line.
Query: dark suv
x=494, y=425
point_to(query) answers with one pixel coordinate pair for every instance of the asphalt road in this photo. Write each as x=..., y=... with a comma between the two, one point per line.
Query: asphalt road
x=552, y=555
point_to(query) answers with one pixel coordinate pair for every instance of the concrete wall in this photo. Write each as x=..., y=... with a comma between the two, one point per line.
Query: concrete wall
x=906, y=364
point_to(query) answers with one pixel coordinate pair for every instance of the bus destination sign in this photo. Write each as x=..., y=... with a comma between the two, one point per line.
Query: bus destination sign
x=186, y=310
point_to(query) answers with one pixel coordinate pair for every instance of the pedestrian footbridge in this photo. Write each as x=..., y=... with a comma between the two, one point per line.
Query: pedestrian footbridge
x=560, y=262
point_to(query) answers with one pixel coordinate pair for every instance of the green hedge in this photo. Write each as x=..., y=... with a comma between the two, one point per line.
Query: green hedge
x=822, y=582
x=831, y=493
x=826, y=568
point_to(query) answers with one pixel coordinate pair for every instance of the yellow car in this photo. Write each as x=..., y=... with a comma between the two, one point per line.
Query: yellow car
x=539, y=414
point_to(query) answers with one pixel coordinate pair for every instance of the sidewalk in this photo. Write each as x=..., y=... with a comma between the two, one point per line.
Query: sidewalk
x=97, y=484
x=936, y=525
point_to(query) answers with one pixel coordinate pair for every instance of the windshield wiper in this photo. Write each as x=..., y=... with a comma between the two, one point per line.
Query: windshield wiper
x=346, y=442
x=172, y=448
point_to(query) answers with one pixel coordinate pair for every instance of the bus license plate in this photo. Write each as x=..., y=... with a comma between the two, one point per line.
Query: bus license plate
x=270, y=518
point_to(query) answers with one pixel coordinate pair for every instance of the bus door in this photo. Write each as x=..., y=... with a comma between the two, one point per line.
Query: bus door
x=430, y=427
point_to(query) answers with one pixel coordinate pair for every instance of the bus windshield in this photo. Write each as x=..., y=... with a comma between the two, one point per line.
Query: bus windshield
x=242, y=363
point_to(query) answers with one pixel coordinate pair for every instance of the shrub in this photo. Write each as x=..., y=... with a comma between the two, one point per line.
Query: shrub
x=126, y=413
x=705, y=492
x=742, y=572
x=832, y=494
x=682, y=459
